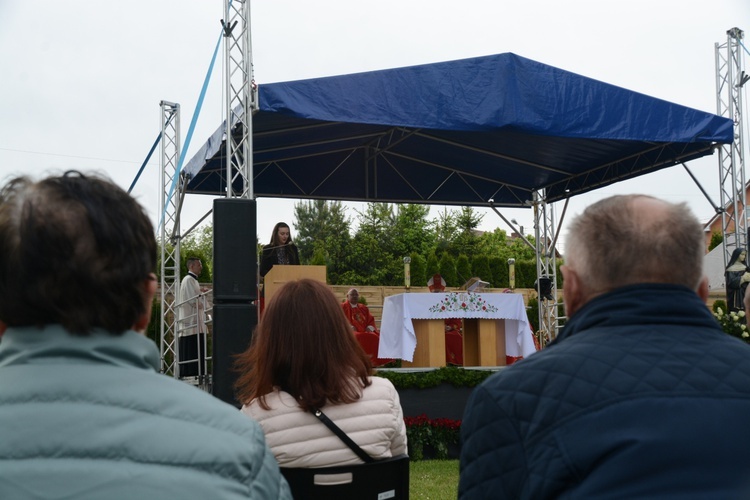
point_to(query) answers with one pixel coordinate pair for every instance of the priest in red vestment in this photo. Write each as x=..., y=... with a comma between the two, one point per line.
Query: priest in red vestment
x=358, y=314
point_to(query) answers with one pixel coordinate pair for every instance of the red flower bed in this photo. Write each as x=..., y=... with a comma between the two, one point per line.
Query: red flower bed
x=436, y=433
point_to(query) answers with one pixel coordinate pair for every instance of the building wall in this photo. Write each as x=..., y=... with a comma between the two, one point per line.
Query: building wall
x=714, y=225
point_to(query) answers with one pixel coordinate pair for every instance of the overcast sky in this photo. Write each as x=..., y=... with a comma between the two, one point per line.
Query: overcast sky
x=82, y=80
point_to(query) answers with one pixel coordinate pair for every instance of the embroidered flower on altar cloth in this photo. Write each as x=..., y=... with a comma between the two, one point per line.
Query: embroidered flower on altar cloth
x=463, y=301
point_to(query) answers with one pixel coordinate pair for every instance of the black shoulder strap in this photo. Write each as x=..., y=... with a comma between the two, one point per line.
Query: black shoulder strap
x=342, y=435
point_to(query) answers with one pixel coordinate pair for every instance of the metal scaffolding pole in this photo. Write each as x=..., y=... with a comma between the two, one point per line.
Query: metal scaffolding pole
x=169, y=238
x=233, y=307
x=730, y=79
x=241, y=98
x=546, y=270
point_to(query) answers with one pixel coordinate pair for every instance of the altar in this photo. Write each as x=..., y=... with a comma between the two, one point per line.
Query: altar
x=495, y=325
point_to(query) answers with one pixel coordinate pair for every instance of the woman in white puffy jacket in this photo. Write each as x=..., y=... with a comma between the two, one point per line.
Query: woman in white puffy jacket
x=303, y=357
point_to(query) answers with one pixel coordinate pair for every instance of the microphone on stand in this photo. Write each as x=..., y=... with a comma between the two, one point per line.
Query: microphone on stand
x=259, y=258
x=268, y=247
x=305, y=240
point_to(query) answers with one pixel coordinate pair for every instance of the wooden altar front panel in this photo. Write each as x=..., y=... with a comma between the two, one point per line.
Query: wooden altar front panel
x=484, y=342
x=430, y=350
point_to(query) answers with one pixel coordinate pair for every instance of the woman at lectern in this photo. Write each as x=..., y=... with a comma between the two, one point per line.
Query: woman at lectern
x=281, y=250
x=304, y=357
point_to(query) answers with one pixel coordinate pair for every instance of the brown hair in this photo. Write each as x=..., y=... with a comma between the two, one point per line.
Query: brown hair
x=77, y=250
x=303, y=345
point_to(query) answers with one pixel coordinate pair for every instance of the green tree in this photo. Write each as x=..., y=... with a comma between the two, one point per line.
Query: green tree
x=533, y=313
x=447, y=266
x=431, y=268
x=716, y=239
x=499, y=272
x=412, y=230
x=372, y=260
x=463, y=269
x=323, y=236
x=494, y=244
x=418, y=270
x=200, y=244
x=466, y=240
x=319, y=259
x=525, y=273
x=385, y=235
x=446, y=228
x=480, y=267
x=519, y=250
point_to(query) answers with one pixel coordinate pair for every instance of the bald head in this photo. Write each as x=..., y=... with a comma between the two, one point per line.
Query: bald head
x=352, y=296
x=624, y=240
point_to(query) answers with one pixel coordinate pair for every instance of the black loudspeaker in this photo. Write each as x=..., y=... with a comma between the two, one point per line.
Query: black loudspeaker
x=233, y=329
x=543, y=285
x=235, y=250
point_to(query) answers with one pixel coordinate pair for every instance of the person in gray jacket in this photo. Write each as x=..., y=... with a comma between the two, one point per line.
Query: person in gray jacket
x=85, y=414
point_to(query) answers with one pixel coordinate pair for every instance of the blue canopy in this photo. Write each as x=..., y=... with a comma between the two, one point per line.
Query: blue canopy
x=457, y=133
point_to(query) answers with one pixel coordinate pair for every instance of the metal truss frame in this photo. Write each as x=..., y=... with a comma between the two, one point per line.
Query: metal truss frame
x=730, y=79
x=169, y=239
x=241, y=100
x=545, y=234
x=241, y=96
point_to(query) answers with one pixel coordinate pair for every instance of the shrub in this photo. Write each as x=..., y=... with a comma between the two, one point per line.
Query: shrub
x=418, y=270
x=480, y=267
x=733, y=323
x=499, y=272
x=438, y=433
x=447, y=266
x=457, y=377
x=463, y=269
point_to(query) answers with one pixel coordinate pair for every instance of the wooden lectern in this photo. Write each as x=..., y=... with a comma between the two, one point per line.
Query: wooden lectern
x=278, y=275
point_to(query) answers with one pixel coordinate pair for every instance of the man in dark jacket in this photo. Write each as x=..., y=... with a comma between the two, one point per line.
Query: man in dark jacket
x=642, y=395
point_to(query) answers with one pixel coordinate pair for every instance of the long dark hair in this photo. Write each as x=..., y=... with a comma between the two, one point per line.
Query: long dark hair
x=303, y=345
x=275, y=235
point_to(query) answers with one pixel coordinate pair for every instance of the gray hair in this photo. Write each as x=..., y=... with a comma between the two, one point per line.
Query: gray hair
x=615, y=242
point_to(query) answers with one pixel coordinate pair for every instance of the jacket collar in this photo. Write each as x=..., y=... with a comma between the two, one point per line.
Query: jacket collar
x=29, y=345
x=641, y=304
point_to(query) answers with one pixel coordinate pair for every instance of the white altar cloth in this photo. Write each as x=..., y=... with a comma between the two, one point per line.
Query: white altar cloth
x=397, y=337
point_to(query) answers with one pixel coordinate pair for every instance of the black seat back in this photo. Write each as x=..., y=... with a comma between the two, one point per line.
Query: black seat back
x=381, y=480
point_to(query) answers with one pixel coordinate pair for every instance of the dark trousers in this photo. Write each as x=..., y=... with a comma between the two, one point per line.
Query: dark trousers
x=192, y=352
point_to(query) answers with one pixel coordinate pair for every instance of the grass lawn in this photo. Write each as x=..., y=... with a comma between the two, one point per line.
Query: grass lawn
x=433, y=479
